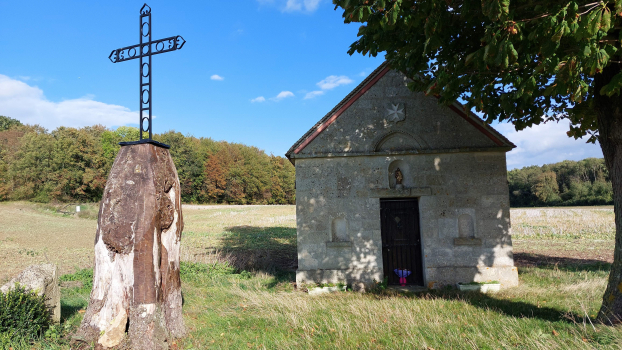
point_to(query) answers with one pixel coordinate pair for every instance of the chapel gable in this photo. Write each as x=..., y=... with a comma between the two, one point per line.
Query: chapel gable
x=382, y=116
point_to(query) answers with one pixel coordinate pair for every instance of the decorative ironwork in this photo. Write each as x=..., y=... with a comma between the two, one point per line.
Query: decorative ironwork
x=143, y=51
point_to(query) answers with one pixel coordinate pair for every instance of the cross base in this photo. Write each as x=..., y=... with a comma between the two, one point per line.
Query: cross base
x=156, y=143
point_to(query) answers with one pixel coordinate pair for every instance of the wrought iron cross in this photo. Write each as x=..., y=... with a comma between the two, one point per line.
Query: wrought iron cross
x=144, y=50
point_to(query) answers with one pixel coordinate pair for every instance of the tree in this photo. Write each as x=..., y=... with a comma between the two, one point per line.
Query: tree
x=7, y=123
x=214, y=179
x=521, y=61
x=546, y=189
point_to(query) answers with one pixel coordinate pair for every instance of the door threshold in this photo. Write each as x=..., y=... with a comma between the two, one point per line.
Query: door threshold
x=409, y=288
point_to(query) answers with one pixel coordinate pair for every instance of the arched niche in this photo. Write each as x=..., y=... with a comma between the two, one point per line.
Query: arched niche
x=404, y=167
x=339, y=230
x=398, y=141
x=466, y=228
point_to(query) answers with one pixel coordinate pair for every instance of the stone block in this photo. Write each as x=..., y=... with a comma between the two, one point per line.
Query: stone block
x=338, y=245
x=472, y=241
x=42, y=279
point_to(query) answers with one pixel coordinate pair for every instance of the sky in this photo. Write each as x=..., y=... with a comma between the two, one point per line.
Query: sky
x=258, y=72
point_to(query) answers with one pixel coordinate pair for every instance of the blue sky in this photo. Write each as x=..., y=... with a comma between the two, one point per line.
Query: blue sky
x=259, y=72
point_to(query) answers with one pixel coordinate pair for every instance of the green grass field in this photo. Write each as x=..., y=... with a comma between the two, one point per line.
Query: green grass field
x=240, y=291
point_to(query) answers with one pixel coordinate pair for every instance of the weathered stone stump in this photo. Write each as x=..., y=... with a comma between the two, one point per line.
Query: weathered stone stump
x=42, y=279
x=136, y=284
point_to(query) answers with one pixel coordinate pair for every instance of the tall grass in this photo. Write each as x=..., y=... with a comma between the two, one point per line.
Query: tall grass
x=553, y=308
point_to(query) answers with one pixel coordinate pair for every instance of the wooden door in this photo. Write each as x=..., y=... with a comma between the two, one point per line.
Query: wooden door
x=401, y=239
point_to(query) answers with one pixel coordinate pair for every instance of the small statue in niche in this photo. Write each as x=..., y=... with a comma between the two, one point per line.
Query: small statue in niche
x=399, y=177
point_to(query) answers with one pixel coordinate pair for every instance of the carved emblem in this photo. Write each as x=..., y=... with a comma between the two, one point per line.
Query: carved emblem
x=395, y=113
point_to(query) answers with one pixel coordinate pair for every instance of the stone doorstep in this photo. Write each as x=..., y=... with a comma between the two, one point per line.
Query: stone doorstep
x=326, y=290
x=408, y=288
x=482, y=288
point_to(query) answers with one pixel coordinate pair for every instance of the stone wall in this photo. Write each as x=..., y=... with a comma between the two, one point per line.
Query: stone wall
x=464, y=216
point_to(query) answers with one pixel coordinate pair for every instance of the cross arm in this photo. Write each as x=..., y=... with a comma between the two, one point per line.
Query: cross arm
x=147, y=49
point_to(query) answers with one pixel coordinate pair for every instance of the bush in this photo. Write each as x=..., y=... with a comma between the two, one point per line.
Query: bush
x=23, y=314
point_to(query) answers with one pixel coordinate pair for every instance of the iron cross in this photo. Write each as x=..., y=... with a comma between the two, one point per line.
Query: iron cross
x=144, y=50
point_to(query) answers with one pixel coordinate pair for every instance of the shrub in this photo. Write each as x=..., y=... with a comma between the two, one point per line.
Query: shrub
x=23, y=314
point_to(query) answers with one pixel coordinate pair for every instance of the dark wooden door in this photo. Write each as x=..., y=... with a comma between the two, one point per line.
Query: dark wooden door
x=401, y=239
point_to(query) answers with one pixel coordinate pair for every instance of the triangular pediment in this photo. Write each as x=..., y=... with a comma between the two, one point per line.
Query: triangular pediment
x=382, y=116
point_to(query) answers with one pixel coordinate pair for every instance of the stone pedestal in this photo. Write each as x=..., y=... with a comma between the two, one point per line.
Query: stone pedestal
x=136, y=297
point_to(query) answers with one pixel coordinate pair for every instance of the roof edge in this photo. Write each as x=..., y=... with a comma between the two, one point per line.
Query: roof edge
x=500, y=140
x=481, y=125
x=341, y=107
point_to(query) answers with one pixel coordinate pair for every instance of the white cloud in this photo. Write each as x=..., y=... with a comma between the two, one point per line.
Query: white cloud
x=545, y=144
x=28, y=104
x=293, y=5
x=312, y=5
x=313, y=94
x=216, y=77
x=258, y=99
x=333, y=81
x=282, y=95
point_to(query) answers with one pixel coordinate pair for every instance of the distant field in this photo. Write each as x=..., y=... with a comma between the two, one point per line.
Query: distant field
x=562, y=255
x=32, y=233
x=265, y=236
x=543, y=235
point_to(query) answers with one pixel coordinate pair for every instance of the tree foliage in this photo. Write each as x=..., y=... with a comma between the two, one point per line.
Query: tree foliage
x=71, y=164
x=7, y=123
x=585, y=182
x=522, y=61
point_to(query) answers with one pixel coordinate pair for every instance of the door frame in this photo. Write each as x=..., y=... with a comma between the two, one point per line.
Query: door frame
x=421, y=240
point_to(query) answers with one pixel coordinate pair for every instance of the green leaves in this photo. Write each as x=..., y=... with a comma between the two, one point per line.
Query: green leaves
x=513, y=63
x=495, y=9
x=613, y=88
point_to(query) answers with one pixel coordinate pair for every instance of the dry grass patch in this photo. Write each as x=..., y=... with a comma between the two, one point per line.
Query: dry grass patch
x=562, y=235
x=30, y=235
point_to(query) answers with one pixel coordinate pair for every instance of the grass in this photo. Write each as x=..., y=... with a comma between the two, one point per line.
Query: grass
x=591, y=223
x=35, y=234
x=550, y=310
x=236, y=302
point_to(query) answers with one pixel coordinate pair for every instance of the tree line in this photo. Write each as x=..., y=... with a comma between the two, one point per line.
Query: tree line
x=70, y=164
x=585, y=182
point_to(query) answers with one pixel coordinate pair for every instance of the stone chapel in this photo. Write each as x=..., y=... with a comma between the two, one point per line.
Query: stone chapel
x=390, y=181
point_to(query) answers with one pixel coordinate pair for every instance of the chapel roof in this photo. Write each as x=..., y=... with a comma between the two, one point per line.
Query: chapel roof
x=365, y=85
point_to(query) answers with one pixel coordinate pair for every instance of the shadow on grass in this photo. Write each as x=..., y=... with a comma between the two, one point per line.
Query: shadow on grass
x=72, y=302
x=561, y=263
x=513, y=308
x=251, y=248
x=68, y=310
x=280, y=277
